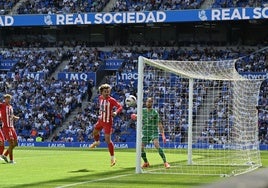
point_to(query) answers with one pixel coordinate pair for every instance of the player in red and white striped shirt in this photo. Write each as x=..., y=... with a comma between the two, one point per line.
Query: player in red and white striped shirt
x=8, y=118
x=109, y=107
x=2, y=143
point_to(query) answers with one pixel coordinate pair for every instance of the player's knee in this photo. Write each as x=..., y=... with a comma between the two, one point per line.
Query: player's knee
x=13, y=144
x=156, y=145
x=95, y=132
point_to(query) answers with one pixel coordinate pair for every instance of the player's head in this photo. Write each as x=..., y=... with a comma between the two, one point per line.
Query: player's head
x=7, y=98
x=149, y=102
x=105, y=90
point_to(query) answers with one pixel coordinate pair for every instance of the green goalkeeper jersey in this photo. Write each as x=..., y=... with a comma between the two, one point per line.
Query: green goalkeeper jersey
x=150, y=120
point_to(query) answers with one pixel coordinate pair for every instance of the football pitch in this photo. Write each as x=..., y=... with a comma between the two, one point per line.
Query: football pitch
x=81, y=167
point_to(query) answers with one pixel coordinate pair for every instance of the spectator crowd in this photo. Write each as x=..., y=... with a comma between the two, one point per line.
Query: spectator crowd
x=83, y=6
x=46, y=103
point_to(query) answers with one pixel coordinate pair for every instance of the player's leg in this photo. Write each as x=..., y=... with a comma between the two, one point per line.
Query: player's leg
x=2, y=148
x=4, y=156
x=13, y=142
x=108, y=132
x=96, y=135
x=2, y=143
x=143, y=153
x=12, y=145
x=8, y=150
x=8, y=136
x=161, y=153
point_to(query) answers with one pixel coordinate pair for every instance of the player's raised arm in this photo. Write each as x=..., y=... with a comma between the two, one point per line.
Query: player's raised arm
x=119, y=108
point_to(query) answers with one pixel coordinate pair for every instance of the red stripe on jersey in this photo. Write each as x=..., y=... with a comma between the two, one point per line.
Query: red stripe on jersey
x=7, y=115
x=105, y=110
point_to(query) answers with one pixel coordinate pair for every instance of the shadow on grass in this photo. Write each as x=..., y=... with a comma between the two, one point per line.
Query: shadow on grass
x=80, y=170
x=118, y=178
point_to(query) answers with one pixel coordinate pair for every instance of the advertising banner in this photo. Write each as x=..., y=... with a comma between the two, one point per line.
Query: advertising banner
x=196, y=15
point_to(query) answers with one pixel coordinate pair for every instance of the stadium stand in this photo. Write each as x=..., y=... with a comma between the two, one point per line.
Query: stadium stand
x=59, y=7
x=46, y=104
x=57, y=109
x=7, y=6
x=125, y=128
x=43, y=104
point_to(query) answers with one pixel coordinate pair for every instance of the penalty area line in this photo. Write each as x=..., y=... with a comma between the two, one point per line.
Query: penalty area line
x=85, y=182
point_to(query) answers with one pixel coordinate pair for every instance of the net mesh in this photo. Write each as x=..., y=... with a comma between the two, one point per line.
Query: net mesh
x=223, y=124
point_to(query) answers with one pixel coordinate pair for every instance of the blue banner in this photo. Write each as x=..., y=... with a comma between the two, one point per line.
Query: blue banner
x=7, y=64
x=126, y=77
x=255, y=75
x=34, y=75
x=113, y=64
x=133, y=145
x=77, y=76
x=197, y=15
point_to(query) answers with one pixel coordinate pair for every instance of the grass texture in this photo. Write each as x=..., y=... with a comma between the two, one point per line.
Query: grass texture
x=81, y=167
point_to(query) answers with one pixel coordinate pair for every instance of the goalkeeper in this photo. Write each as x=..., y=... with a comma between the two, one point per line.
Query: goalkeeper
x=150, y=127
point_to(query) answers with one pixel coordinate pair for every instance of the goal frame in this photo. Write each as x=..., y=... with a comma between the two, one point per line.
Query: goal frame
x=140, y=107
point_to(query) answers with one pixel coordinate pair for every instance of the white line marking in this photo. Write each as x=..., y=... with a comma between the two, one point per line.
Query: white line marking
x=84, y=182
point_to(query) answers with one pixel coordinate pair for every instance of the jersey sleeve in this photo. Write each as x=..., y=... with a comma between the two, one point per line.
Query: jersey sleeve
x=118, y=106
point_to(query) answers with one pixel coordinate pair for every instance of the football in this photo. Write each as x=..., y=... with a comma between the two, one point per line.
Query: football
x=131, y=100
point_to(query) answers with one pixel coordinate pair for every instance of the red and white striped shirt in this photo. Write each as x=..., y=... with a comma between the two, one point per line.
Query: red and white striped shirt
x=107, y=106
x=7, y=115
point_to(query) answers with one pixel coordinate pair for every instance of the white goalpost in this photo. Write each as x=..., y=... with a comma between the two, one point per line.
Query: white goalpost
x=209, y=114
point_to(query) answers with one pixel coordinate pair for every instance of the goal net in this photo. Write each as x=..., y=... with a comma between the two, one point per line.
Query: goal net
x=209, y=115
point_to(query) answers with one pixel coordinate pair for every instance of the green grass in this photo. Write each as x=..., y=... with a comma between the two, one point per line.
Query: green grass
x=69, y=167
